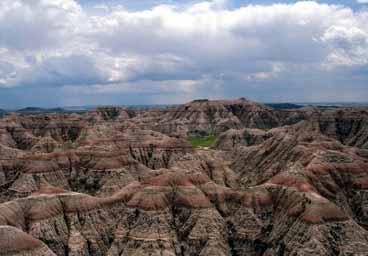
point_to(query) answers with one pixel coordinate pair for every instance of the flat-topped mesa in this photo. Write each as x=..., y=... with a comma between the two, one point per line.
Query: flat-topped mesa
x=211, y=117
x=199, y=101
x=237, y=108
x=219, y=103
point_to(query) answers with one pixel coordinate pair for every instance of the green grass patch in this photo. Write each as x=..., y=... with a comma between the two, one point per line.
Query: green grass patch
x=202, y=141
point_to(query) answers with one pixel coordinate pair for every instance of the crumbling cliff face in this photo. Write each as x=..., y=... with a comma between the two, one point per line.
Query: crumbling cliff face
x=105, y=183
x=209, y=117
x=349, y=126
x=232, y=138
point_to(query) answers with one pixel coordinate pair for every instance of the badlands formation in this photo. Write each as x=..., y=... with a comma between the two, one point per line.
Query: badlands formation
x=117, y=181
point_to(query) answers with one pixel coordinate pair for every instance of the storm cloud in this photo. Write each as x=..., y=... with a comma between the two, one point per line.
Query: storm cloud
x=304, y=51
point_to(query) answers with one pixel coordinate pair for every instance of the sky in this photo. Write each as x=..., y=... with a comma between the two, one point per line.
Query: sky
x=118, y=52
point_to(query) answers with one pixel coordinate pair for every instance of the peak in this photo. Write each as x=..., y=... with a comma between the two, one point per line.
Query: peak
x=199, y=101
x=223, y=102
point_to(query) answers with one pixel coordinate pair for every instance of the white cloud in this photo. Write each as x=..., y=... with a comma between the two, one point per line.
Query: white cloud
x=59, y=43
x=38, y=24
x=362, y=1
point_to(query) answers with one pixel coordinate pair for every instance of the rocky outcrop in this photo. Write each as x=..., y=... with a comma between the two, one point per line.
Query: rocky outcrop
x=349, y=126
x=247, y=137
x=209, y=117
x=110, y=114
x=17, y=243
x=112, y=182
x=181, y=213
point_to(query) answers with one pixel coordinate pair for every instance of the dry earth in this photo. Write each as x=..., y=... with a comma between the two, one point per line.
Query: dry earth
x=116, y=181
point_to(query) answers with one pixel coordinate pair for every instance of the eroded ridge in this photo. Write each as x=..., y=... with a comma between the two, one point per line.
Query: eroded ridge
x=115, y=181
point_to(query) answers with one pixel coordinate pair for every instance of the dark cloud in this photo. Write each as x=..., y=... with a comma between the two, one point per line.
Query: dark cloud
x=63, y=70
x=170, y=53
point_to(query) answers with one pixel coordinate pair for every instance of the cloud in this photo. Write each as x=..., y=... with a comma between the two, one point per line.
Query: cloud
x=63, y=70
x=362, y=1
x=255, y=49
x=37, y=24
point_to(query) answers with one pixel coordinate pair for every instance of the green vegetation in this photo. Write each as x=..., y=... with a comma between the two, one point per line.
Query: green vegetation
x=202, y=141
x=265, y=129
